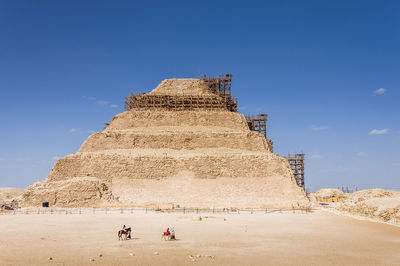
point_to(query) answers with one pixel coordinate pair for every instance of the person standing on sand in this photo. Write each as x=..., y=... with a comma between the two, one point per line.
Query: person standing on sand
x=172, y=232
x=129, y=234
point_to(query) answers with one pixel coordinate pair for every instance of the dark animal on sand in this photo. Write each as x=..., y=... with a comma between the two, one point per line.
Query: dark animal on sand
x=124, y=233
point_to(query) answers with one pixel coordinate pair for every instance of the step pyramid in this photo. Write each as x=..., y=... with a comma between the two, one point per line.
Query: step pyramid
x=161, y=154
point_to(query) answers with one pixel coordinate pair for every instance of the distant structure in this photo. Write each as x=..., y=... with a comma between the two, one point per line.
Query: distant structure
x=296, y=162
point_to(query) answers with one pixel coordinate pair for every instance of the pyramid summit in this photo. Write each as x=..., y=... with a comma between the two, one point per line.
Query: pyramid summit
x=182, y=144
x=183, y=87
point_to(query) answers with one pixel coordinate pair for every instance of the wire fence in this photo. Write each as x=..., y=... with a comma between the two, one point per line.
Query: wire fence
x=105, y=211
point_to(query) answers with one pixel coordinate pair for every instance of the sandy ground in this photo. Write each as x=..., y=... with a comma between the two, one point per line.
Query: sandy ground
x=319, y=238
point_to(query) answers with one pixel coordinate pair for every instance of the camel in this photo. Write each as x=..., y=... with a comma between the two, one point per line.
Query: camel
x=169, y=237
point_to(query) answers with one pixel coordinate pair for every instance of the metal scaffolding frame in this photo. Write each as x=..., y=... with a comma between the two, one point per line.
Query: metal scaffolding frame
x=296, y=162
x=259, y=123
x=222, y=86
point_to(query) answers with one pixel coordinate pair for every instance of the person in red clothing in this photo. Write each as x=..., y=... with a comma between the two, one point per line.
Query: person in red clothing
x=166, y=233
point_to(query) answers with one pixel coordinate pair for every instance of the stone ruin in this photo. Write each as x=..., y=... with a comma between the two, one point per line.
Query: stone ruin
x=181, y=144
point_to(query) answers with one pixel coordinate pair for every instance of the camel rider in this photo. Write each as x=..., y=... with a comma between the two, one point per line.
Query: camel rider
x=166, y=233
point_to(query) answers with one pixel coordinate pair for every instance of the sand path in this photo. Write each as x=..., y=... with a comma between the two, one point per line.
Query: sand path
x=319, y=238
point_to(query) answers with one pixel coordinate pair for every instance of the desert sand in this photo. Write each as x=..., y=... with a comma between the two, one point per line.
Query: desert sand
x=318, y=238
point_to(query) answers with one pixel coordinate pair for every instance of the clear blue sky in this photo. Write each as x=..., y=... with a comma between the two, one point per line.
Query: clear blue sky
x=326, y=72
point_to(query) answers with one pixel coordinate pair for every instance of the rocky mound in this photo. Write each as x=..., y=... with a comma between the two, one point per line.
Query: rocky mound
x=160, y=158
x=74, y=192
x=9, y=193
x=330, y=195
x=377, y=204
x=380, y=204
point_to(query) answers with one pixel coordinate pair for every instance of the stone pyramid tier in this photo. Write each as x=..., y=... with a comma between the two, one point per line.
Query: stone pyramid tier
x=179, y=95
x=160, y=158
x=189, y=130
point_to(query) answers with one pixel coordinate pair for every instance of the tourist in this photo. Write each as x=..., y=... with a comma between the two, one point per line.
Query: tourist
x=167, y=233
x=128, y=231
x=172, y=232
